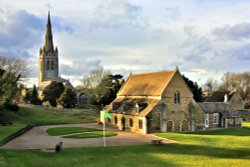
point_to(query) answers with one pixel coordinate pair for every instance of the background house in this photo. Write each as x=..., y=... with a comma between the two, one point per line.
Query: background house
x=233, y=98
x=220, y=114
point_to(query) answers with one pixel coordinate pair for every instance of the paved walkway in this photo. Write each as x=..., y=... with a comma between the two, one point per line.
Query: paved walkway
x=37, y=138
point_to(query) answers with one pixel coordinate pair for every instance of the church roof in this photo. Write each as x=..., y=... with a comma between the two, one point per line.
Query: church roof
x=146, y=84
x=218, y=96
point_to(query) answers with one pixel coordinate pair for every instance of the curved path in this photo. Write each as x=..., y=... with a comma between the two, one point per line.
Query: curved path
x=37, y=138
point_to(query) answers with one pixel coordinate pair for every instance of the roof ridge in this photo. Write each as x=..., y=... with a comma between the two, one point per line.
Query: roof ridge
x=154, y=72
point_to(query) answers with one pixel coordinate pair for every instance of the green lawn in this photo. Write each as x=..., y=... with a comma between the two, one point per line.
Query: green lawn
x=78, y=132
x=246, y=124
x=45, y=117
x=40, y=116
x=94, y=134
x=8, y=130
x=68, y=130
x=230, y=148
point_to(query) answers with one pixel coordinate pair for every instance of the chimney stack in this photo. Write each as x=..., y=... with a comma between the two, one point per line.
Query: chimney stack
x=225, y=98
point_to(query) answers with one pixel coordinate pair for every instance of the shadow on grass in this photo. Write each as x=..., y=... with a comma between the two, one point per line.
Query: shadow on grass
x=245, y=131
x=104, y=157
x=216, y=152
x=146, y=156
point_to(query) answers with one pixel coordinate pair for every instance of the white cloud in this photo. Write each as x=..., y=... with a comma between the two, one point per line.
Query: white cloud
x=131, y=36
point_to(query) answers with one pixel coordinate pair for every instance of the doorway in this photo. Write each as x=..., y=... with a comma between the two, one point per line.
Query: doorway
x=123, y=123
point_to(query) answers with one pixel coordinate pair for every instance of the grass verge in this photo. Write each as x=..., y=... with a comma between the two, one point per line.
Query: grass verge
x=68, y=130
x=91, y=135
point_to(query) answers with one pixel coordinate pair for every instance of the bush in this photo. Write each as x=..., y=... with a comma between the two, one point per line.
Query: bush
x=12, y=107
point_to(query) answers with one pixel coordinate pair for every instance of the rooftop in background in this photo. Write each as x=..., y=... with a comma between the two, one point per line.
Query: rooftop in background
x=219, y=96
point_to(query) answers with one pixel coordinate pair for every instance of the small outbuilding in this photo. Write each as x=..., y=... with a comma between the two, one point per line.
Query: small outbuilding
x=220, y=114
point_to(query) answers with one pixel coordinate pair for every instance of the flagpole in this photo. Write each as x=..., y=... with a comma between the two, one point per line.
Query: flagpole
x=104, y=139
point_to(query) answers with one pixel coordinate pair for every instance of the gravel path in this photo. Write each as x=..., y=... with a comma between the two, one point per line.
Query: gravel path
x=37, y=138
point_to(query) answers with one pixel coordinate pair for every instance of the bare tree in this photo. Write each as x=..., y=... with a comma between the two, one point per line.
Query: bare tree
x=14, y=65
x=210, y=85
x=237, y=82
x=11, y=70
x=94, y=77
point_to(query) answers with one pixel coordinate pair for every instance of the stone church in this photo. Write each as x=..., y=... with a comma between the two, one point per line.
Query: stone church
x=156, y=102
x=48, y=70
x=162, y=102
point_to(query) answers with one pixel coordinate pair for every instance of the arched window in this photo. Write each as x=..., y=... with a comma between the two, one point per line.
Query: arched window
x=177, y=97
x=52, y=65
x=48, y=65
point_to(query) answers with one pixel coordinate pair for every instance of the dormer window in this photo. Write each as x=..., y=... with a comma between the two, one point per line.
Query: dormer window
x=177, y=97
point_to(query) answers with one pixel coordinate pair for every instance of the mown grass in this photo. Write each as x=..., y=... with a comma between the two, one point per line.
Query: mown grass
x=10, y=129
x=94, y=134
x=45, y=117
x=68, y=130
x=194, y=149
x=40, y=116
x=78, y=132
x=246, y=124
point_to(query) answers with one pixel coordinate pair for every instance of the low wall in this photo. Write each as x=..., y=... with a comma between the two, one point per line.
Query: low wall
x=16, y=134
x=245, y=114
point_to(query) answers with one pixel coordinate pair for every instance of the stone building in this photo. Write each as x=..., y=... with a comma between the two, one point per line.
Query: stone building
x=220, y=114
x=231, y=97
x=156, y=102
x=48, y=69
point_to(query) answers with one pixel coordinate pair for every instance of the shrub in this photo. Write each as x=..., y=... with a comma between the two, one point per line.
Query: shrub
x=12, y=107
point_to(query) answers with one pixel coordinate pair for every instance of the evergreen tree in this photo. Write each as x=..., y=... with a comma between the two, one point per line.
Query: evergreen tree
x=195, y=89
x=67, y=98
x=106, y=91
x=52, y=92
x=34, y=96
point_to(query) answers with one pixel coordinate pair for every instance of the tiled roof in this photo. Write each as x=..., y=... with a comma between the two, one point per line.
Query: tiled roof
x=133, y=106
x=219, y=107
x=146, y=84
x=218, y=96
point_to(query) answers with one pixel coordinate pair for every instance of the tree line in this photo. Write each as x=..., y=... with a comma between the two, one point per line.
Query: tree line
x=98, y=84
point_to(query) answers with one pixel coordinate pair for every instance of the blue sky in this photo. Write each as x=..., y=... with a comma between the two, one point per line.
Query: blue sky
x=204, y=38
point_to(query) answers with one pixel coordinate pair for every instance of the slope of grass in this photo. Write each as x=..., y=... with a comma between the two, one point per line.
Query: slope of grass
x=43, y=116
x=40, y=116
x=68, y=130
x=8, y=130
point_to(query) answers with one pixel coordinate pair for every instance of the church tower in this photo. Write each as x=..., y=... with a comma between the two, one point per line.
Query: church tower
x=48, y=59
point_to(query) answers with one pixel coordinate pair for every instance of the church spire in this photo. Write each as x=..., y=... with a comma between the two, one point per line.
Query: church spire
x=48, y=36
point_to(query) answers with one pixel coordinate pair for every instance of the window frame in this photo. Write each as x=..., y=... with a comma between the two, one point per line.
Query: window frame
x=140, y=124
x=177, y=97
x=216, y=118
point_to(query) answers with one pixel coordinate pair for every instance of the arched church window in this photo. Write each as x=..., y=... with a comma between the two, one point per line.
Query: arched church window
x=52, y=65
x=177, y=97
x=48, y=65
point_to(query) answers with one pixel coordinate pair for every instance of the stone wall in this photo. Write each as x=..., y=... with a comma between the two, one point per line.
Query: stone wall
x=185, y=116
x=119, y=124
